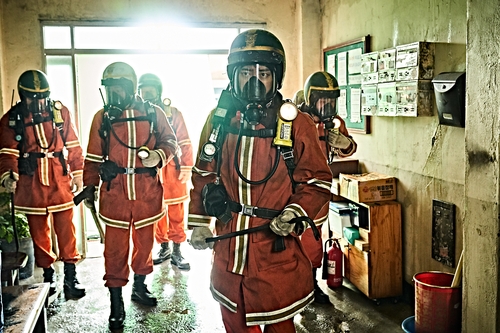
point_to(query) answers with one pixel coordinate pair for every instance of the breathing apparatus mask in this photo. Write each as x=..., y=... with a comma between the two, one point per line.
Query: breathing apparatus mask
x=324, y=106
x=254, y=86
x=118, y=97
x=37, y=106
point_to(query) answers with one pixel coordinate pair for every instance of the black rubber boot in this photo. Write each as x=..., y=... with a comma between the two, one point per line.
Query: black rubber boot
x=140, y=292
x=117, y=315
x=72, y=287
x=164, y=254
x=319, y=296
x=50, y=277
x=177, y=258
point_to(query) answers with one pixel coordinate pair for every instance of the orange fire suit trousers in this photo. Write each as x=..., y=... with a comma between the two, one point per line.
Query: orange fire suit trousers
x=42, y=241
x=171, y=226
x=117, y=249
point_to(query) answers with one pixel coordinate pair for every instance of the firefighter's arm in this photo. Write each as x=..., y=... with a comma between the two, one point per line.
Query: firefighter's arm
x=9, y=152
x=312, y=174
x=203, y=173
x=95, y=150
x=186, y=160
x=166, y=143
x=75, y=152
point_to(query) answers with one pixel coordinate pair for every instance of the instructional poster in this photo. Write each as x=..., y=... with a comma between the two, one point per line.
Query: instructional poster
x=344, y=62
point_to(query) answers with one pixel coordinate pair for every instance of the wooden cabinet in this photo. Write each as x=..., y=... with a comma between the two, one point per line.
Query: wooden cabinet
x=377, y=270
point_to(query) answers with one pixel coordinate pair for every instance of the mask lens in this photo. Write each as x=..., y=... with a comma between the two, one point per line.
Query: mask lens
x=116, y=96
x=324, y=107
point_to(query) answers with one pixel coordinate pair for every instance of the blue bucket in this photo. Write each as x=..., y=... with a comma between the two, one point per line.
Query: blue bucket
x=408, y=325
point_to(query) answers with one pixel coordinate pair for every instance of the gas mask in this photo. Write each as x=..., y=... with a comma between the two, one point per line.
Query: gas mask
x=117, y=99
x=325, y=109
x=37, y=107
x=254, y=86
x=149, y=93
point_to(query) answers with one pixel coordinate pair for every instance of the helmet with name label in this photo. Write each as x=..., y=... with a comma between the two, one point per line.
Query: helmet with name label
x=258, y=48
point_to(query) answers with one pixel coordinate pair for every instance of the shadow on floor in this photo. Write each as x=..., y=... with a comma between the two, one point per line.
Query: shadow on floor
x=185, y=303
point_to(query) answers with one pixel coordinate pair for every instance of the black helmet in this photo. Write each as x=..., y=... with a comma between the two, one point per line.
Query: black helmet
x=149, y=79
x=256, y=47
x=33, y=84
x=119, y=74
x=321, y=85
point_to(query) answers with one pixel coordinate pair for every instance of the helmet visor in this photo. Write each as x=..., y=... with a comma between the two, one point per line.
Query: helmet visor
x=254, y=83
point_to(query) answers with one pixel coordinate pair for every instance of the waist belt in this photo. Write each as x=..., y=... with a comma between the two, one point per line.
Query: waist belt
x=132, y=171
x=50, y=154
x=253, y=211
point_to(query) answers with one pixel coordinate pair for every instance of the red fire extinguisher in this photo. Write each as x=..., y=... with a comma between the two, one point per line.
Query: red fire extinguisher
x=332, y=264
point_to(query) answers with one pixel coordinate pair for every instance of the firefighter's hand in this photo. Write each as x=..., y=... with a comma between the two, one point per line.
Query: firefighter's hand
x=338, y=140
x=198, y=237
x=10, y=183
x=152, y=160
x=185, y=175
x=77, y=182
x=280, y=226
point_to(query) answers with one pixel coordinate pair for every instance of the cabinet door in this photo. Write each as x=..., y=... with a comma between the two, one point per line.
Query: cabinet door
x=359, y=269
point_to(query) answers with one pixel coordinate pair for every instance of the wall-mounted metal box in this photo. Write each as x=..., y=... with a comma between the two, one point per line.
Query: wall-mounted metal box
x=387, y=65
x=415, y=61
x=386, y=97
x=449, y=89
x=414, y=98
x=369, y=68
x=368, y=100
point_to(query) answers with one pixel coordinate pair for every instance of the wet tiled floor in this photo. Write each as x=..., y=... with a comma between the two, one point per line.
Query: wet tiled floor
x=186, y=305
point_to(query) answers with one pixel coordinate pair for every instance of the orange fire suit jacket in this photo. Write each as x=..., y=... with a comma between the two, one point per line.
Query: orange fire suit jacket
x=48, y=190
x=275, y=285
x=141, y=191
x=174, y=191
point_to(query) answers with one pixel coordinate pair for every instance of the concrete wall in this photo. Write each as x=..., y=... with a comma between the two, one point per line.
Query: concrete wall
x=21, y=34
x=431, y=161
x=427, y=159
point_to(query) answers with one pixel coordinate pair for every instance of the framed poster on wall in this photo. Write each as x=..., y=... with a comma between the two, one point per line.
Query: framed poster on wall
x=344, y=62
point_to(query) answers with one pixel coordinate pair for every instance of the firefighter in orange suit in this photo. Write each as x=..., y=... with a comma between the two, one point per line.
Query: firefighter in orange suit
x=321, y=91
x=175, y=175
x=257, y=173
x=129, y=141
x=33, y=135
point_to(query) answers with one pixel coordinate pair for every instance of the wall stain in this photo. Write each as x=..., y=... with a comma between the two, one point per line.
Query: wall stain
x=480, y=158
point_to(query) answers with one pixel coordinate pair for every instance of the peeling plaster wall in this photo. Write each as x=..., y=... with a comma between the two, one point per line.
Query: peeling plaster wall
x=22, y=31
x=426, y=168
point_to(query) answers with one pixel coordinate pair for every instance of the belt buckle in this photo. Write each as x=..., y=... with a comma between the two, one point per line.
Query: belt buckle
x=129, y=171
x=49, y=154
x=248, y=210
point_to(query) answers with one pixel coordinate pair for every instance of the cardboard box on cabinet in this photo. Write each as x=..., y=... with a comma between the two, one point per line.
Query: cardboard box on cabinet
x=367, y=187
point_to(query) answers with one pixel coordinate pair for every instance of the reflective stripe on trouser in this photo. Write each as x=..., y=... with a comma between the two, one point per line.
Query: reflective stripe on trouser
x=313, y=247
x=116, y=253
x=236, y=323
x=171, y=227
x=42, y=240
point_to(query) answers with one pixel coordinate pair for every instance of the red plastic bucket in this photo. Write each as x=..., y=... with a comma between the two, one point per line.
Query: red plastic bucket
x=438, y=306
